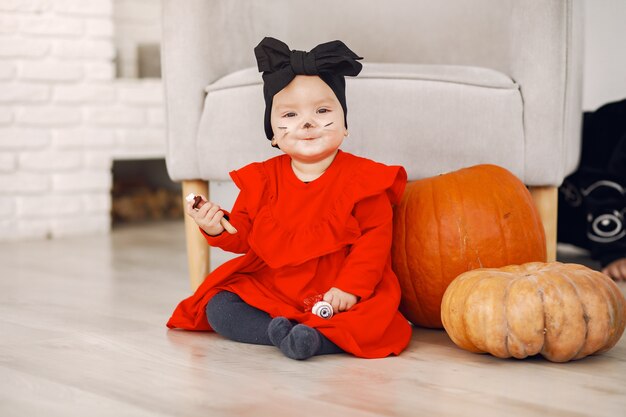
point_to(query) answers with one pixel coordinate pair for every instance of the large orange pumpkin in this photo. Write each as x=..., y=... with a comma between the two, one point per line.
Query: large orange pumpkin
x=482, y=216
x=562, y=311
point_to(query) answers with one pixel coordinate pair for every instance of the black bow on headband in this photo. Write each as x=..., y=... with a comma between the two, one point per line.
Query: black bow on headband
x=273, y=56
x=280, y=65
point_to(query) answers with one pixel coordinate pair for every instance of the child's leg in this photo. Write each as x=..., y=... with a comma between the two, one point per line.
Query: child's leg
x=299, y=341
x=231, y=317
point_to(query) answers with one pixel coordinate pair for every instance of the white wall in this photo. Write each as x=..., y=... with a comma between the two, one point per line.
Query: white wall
x=64, y=117
x=604, y=76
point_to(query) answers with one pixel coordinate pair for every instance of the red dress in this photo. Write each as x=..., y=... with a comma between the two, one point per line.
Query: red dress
x=300, y=239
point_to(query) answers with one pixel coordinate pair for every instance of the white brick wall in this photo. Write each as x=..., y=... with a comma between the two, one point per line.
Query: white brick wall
x=13, y=46
x=64, y=116
x=51, y=71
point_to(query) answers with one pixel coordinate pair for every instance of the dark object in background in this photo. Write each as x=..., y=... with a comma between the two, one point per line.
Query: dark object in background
x=142, y=191
x=592, y=201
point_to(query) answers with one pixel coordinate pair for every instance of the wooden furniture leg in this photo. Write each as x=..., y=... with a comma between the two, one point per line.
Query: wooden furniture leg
x=546, y=200
x=198, y=255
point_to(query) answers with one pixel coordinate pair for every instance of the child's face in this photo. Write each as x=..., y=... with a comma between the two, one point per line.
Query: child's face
x=307, y=119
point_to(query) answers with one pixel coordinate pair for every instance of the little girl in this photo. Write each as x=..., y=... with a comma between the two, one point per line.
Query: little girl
x=313, y=221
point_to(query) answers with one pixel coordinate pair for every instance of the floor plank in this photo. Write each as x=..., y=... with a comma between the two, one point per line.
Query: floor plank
x=83, y=333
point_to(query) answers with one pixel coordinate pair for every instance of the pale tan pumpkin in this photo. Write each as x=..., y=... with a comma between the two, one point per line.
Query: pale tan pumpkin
x=561, y=311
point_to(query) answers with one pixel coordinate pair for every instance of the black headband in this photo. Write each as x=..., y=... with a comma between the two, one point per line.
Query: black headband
x=331, y=61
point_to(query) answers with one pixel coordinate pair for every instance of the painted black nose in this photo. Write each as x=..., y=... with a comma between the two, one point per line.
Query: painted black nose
x=307, y=125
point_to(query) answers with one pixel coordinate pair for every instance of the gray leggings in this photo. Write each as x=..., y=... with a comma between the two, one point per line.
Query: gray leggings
x=231, y=317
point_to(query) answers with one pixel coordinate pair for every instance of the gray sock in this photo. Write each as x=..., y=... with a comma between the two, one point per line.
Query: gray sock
x=278, y=329
x=302, y=342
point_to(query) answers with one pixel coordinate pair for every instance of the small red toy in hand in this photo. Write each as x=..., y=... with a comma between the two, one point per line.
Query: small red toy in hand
x=199, y=202
x=318, y=306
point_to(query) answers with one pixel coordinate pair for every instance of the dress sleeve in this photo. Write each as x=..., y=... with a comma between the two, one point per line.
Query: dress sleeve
x=251, y=183
x=238, y=217
x=377, y=188
x=363, y=268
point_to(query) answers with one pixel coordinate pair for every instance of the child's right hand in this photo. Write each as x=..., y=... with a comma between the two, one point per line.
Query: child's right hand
x=207, y=217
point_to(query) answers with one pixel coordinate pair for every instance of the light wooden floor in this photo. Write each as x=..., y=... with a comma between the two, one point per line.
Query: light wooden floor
x=82, y=325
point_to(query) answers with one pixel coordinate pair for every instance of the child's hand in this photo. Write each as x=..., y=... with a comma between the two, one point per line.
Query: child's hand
x=340, y=300
x=207, y=217
x=616, y=270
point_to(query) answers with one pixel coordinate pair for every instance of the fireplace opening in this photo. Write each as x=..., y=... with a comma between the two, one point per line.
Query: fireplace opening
x=143, y=192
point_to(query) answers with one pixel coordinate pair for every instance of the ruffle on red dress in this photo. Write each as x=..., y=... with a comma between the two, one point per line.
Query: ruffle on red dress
x=301, y=239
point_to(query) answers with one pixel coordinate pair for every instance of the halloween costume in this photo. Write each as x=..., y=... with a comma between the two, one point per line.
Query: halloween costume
x=302, y=239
